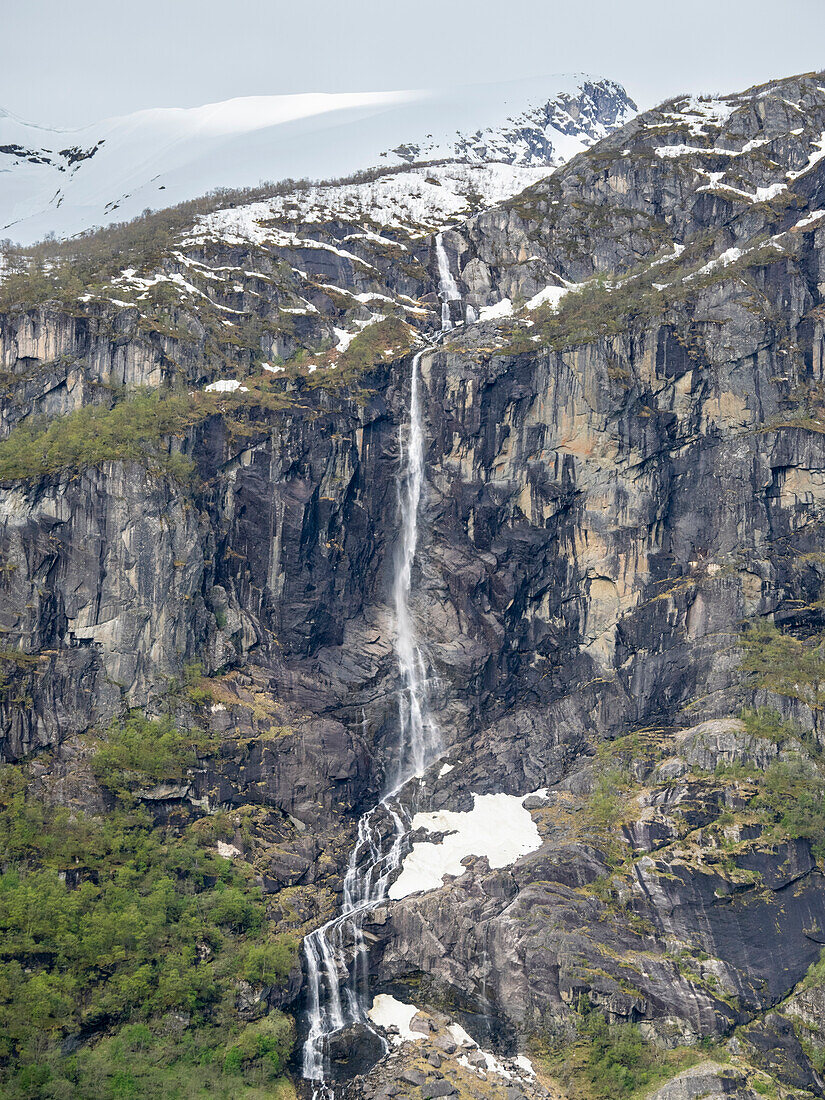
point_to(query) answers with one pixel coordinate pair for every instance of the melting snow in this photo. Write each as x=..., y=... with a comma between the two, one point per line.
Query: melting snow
x=813, y=159
x=809, y=219
x=729, y=256
x=764, y=194
x=388, y=1012
x=504, y=308
x=225, y=385
x=417, y=200
x=551, y=294
x=498, y=827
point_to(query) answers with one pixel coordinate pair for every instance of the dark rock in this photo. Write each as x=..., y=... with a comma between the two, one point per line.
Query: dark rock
x=432, y=1089
x=412, y=1076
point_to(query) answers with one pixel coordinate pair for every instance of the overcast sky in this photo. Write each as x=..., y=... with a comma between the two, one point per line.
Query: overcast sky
x=69, y=63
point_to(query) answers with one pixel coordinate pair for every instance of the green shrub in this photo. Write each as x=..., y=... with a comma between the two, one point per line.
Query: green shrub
x=268, y=963
x=133, y=430
x=785, y=664
x=794, y=793
x=606, y=801
x=108, y=924
x=768, y=723
x=137, y=752
x=267, y=1042
x=618, y=1059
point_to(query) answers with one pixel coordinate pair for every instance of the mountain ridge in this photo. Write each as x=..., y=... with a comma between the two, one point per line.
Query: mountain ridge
x=115, y=169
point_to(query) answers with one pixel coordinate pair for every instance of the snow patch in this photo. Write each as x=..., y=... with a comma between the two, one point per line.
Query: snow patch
x=387, y=1012
x=809, y=219
x=729, y=256
x=225, y=385
x=417, y=201
x=498, y=827
x=551, y=294
x=504, y=308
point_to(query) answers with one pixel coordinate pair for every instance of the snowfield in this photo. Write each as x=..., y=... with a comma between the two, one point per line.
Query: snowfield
x=67, y=181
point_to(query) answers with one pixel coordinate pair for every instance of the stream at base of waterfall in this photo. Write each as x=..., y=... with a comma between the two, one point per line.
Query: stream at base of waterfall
x=333, y=1003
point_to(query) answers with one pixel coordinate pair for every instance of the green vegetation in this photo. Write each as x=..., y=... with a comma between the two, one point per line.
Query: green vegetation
x=793, y=793
x=784, y=664
x=768, y=723
x=602, y=307
x=122, y=942
x=135, y=429
x=612, y=1061
x=382, y=341
x=61, y=270
x=606, y=801
x=137, y=753
x=142, y=425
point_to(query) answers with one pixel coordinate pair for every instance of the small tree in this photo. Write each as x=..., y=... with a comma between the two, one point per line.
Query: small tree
x=784, y=664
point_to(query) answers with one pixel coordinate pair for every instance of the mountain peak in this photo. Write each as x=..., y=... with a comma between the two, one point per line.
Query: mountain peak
x=155, y=158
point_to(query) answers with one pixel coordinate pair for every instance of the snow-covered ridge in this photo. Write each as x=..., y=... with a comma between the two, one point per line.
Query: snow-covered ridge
x=68, y=181
x=417, y=201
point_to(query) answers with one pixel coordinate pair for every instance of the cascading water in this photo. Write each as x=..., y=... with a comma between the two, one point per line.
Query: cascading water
x=419, y=741
x=331, y=1004
x=447, y=286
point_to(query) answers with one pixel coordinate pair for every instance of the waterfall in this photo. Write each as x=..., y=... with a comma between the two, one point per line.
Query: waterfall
x=333, y=1004
x=419, y=741
x=447, y=286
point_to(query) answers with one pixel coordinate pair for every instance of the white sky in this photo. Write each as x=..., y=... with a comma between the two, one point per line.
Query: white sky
x=69, y=63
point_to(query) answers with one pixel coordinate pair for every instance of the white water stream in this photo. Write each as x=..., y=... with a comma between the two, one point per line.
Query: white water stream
x=448, y=287
x=335, y=1002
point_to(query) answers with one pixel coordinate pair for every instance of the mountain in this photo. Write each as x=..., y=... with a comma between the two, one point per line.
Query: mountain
x=413, y=637
x=64, y=182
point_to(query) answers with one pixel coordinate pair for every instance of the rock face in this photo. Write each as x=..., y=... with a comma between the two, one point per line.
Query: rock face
x=614, y=488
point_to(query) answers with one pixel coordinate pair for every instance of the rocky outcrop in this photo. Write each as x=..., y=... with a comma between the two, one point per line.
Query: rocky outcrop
x=707, y=1081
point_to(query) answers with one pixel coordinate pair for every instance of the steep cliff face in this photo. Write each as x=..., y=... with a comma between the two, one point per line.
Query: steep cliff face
x=620, y=475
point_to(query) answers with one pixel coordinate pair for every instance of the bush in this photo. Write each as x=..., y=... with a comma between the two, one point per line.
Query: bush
x=268, y=963
x=794, y=793
x=618, y=1060
x=606, y=802
x=768, y=723
x=267, y=1042
x=785, y=664
x=108, y=924
x=133, y=430
x=137, y=753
